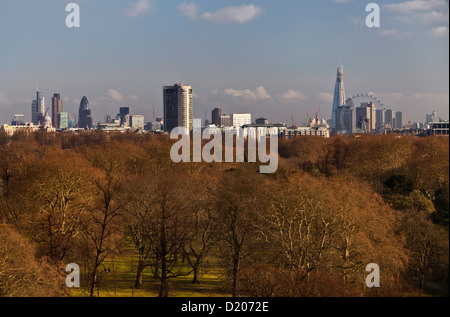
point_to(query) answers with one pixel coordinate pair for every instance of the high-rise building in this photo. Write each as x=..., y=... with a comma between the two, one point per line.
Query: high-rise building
x=38, y=108
x=399, y=120
x=178, y=108
x=84, y=115
x=137, y=122
x=366, y=116
x=124, y=114
x=241, y=119
x=62, y=120
x=262, y=121
x=388, y=118
x=216, y=113
x=363, y=118
x=431, y=117
x=225, y=120
x=339, y=95
x=380, y=118
x=346, y=120
x=57, y=107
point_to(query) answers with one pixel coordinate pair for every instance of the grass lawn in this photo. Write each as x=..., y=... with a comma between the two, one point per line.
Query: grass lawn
x=121, y=279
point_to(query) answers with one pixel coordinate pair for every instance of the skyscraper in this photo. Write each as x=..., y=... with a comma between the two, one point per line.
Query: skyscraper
x=431, y=117
x=216, y=113
x=339, y=95
x=388, y=117
x=37, y=108
x=62, y=120
x=380, y=118
x=57, y=107
x=84, y=115
x=346, y=120
x=399, y=120
x=363, y=117
x=124, y=114
x=178, y=108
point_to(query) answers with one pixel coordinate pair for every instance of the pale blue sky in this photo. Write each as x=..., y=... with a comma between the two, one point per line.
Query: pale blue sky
x=270, y=58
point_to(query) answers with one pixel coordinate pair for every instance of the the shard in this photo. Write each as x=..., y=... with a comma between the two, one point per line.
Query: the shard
x=339, y=95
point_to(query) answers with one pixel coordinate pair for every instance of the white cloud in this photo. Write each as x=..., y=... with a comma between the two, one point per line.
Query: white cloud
x=188, y=9
x=225, y=15
x=423, y=11
x=416, y=5
x=233, y=14
x=325, y=97
x=292, y=96
x=342, y=1
x=3, y=100
x=433, y=17
x=138, y=7
x=132, y=97
x=396, y=99
x=115, y=95
x=248, y=95
x=439, y=32
x=395, y=34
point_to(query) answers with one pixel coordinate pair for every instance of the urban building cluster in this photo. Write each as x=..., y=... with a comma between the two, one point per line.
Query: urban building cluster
x=364, y=113
x=359, y=114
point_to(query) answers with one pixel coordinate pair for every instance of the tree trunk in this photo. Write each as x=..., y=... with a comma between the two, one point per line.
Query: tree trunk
x=236, y=278
x=164, y=287
x=156, y=273
x=94, y=279
x=196, y=274
x=139, y=275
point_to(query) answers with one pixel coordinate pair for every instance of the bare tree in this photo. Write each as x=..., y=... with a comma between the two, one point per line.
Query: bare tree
x=235, y=206
x=101, y=224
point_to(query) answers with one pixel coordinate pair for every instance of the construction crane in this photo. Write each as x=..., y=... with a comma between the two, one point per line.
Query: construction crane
x=293, y=122
x=317, y=114
x=309, y=120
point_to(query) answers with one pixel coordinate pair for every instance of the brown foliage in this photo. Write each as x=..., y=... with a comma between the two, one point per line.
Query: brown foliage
x=21, y=274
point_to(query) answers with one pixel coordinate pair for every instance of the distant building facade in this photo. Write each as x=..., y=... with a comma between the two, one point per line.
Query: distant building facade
x=225, y=120
x=178, y=107
x=389, y=116
x=345, y=120
x=399, y=120
x=380, y=114
x=262, y=121
x=38, y=108
x=137, y=122
x=62, y=120
x=216, y=114
x=339, y=96
x=57, y=107
x=18, y=119
x=241, y=119
x=84, y=115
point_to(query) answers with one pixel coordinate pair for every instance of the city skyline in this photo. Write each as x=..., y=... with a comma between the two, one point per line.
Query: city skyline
x=268, y=59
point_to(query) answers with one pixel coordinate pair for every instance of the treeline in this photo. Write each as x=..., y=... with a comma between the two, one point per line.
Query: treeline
x=334, y=206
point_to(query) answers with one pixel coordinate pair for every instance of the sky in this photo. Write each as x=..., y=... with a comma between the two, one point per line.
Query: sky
x=265, y=57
